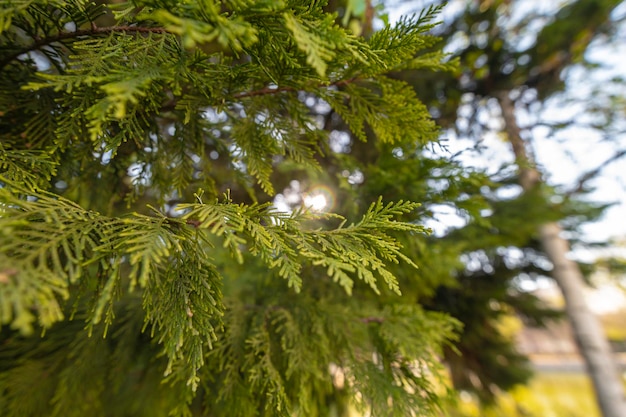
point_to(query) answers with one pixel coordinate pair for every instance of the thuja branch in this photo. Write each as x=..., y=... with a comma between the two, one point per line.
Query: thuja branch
x=368, y=320
x=275, y=90
x=93, y=31
x=264, y=91
x=171, y=104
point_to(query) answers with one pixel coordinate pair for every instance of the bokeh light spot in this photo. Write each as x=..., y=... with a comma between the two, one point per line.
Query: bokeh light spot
x=320, y=198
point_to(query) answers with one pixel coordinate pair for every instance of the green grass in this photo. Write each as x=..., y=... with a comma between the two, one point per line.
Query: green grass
x=565, y=394
x=549, y=394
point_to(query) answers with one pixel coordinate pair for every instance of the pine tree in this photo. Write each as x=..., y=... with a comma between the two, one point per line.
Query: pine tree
x=143, y=267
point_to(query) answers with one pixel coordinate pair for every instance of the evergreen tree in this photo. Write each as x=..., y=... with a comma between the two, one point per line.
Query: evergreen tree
x=471, y=272
x=143, y=267
x=504, y=72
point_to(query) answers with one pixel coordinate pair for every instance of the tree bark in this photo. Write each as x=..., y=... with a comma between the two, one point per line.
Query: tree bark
x=589, y=335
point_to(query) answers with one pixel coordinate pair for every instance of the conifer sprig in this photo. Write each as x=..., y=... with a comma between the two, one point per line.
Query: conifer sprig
x=32, y=168
x=77, y=34
x=150, y=70
x=360, y=249
x=171, y=97
x=168, y=261
x=49, y=245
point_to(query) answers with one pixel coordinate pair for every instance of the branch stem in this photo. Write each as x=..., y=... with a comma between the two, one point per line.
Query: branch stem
x=93, y=31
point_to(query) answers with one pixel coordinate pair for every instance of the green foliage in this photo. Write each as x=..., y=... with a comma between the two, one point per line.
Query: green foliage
x=280, y=242
x=500, y=245
x=148, y=303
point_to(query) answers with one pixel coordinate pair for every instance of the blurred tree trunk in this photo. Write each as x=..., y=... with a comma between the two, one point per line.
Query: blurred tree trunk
x=588, y=332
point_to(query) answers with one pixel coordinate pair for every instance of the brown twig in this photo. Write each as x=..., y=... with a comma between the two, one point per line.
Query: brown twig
x=94, y=30
x=194, y=223
x=263, y=91
x=373, y=320
x=276, y=90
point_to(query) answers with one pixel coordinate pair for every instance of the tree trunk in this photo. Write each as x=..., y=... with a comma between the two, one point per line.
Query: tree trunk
x=588, y=332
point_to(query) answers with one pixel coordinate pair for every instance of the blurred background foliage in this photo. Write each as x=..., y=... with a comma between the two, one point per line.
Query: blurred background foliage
x=506, y=45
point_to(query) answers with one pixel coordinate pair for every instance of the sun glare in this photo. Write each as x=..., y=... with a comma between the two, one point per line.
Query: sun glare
x=315, y=202
x=319, y=198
